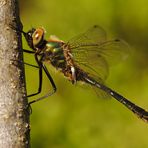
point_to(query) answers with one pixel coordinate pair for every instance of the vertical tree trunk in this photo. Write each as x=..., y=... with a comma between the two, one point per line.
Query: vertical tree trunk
x=14, y=117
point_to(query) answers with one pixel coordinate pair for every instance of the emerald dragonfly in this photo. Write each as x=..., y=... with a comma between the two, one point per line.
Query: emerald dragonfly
x=84, y=58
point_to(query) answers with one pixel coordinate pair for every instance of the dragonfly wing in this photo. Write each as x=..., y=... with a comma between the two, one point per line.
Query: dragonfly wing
x=100, y=93
x=95, y=34
x=93, y=53
x=96, y=58
x=92, y=63
x=114, y=51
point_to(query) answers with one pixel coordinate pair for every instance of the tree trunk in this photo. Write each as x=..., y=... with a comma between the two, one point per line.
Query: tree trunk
x=14, y=114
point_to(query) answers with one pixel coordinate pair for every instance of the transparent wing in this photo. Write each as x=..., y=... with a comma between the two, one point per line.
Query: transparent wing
x=94, y=54
x=92, y=63
x=95, y=34
x=113, y=51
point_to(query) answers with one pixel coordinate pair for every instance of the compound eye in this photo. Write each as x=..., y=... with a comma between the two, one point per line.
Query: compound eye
x=38, y=36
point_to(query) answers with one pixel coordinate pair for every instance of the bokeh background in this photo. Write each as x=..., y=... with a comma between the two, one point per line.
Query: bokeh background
x=74, y=117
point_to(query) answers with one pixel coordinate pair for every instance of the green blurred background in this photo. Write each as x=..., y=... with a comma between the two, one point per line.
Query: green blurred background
x=74, y=117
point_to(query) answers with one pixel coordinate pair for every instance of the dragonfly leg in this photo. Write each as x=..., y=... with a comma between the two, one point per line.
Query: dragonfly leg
x=52, y=83
x=31, y=65
x=26, y=63
x=40, y=76
x=28, y=51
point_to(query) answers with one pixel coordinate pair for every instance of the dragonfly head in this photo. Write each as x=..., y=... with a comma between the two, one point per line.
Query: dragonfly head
x=34, y=37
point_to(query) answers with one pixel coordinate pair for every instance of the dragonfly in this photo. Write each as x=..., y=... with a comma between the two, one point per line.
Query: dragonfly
x=85, y=58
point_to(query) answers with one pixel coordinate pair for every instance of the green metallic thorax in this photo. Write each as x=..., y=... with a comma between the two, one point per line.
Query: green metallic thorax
x=53, y=52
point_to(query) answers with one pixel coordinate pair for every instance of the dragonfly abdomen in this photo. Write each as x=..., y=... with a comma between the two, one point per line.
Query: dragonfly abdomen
x=140, y=112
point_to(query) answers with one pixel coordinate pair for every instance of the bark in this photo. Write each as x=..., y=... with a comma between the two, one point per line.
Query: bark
x=14, y=115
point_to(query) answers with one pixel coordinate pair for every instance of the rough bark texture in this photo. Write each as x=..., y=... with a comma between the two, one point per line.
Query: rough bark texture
x=14, y=117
